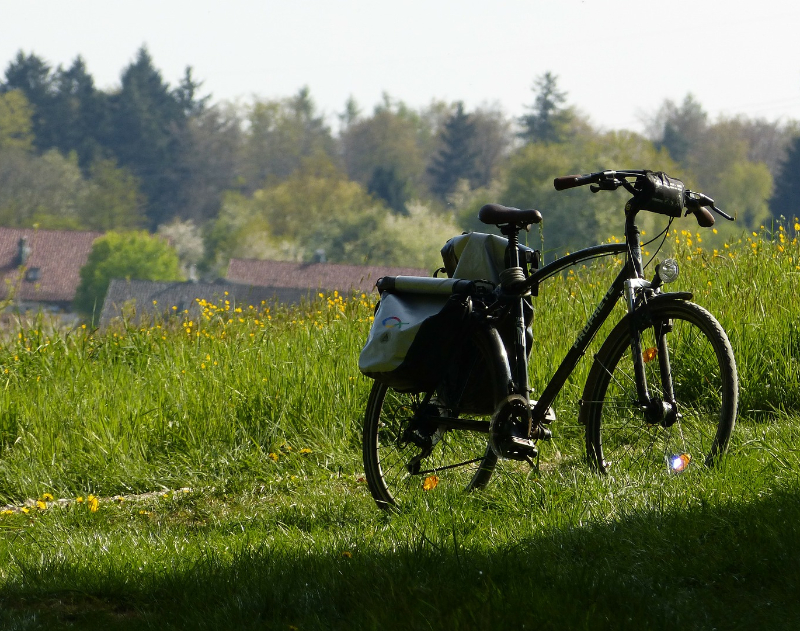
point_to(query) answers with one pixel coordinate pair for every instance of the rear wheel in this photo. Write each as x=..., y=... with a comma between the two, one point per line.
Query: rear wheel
x=407, y=449
x=684, y=348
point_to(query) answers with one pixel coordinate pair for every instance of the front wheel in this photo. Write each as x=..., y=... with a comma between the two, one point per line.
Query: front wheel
x=693, y=387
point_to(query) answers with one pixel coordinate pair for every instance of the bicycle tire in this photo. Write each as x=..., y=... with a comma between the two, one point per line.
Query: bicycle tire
x=705, y=383
x=387, y=456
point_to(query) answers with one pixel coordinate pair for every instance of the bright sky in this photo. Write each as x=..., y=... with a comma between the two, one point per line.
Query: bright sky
x=616, y=60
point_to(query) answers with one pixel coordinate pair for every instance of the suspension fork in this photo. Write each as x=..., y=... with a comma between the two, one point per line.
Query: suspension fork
x=634, y=286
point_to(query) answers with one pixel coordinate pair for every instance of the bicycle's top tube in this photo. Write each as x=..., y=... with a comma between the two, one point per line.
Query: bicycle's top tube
x=573, y=258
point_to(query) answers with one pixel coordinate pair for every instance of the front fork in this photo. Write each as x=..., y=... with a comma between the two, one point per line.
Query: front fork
x=658, y=411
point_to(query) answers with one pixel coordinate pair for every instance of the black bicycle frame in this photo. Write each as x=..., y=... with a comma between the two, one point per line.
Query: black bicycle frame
x=632, y=269
x=593, y=324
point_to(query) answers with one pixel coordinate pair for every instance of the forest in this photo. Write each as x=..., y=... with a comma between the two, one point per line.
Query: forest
x=278, y=179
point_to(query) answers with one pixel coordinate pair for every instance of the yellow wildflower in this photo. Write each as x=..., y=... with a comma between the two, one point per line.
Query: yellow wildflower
x=430, y=483
x=93, y=503
x=47, y=497
x=41, y=505
x=273, y=455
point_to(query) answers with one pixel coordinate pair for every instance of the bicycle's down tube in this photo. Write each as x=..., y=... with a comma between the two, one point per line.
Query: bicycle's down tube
x=593, y=324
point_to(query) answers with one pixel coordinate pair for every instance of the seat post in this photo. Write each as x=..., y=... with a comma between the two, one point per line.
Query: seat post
x=519, y=363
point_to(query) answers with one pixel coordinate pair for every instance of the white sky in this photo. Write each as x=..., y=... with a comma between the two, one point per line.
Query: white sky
x=617, y=60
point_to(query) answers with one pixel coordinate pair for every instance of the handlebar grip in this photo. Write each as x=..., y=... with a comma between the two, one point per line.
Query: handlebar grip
x=704, y=217
x=567, y=181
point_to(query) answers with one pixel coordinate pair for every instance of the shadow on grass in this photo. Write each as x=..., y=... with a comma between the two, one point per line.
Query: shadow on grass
x=736, y=567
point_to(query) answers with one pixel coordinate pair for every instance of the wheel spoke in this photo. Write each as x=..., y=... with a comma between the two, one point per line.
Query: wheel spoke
x=705, y=386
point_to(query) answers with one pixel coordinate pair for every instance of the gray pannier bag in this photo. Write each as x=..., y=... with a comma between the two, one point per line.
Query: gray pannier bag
x=417, y=325
x=418, y=337
x=475, y=256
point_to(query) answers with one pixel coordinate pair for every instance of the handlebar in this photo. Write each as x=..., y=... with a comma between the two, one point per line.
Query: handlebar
x=653, y=191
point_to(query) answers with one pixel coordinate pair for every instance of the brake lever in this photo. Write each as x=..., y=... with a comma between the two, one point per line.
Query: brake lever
x=611, y=184
x=698, y=202
x=722, y=214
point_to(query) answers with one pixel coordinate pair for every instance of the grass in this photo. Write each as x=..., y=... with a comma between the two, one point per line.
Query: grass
x=223, y=448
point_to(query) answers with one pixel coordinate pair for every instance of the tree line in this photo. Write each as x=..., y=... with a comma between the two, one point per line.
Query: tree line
x=271, y=178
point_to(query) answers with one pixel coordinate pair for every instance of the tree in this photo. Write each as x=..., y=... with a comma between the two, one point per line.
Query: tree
x=492, y=139
x=148, y=123
x=129, y=255
x=185, y=237
x=112, y=200
x=456, y=160
x=80, y=113
x=548, y=121
x=15, y=121
x=576, y=218
x=46, y=190
x=280, y=135
x=394, y=140
x=680, y=129
x=385, y=185
x=212, y=151
x=34, y=77
x=786, y=200
x=351, y=113
x=316, y=208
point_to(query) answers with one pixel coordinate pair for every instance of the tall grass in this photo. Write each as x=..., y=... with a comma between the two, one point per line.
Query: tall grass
x=223, y=454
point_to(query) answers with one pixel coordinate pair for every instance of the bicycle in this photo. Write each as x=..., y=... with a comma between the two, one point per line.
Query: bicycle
x=661, y=394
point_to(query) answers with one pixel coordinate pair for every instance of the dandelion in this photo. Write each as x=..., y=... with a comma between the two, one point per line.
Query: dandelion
x=347, y=555
x=79, y=499
x=305, y=450
x=430, y=483
x=47, y=497
x=273, y=456
x=93, y=503
x=6, y=511
x=41, y=505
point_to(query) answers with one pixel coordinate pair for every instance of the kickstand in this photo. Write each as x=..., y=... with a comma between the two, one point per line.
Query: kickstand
x=534, y=465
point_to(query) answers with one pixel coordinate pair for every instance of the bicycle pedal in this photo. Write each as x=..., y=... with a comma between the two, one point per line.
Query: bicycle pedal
x=517, y=448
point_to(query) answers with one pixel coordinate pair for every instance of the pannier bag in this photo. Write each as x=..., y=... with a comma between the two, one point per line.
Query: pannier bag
x=412, y=338
x=475, y=256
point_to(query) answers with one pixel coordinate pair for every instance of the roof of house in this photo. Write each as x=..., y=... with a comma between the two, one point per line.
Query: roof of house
x=52, y=265
x=149, y=297
x=315, y=276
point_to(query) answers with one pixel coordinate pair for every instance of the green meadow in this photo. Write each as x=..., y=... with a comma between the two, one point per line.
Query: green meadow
x=204, y=471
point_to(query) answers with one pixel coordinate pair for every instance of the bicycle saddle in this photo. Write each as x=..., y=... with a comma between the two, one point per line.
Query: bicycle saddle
x=495, y=214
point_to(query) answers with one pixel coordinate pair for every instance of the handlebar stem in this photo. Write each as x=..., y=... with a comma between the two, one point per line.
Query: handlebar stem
x=634, y=243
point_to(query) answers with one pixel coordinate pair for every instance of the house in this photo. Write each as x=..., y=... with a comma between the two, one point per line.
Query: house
x=40, y=269
x=138, y=299
x=312, y=277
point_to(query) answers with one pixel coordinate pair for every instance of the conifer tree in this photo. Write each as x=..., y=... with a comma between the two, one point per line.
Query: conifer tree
x=457, y=158
x=548, y=119
x=786, y=199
